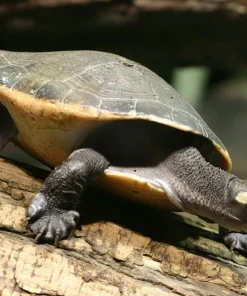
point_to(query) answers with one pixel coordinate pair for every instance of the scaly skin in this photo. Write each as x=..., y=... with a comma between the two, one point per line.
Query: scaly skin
x=191, y=183
x=209, y=192
x=53, y=212
x=198, y=187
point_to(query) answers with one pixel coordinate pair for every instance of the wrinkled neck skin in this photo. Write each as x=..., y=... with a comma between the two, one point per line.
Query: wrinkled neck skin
x=203, y=189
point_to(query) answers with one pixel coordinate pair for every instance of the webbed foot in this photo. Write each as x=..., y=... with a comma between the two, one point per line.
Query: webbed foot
x=53, y=213
x=49, y=222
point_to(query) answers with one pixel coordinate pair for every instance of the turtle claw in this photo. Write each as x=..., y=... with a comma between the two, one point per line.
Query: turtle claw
x=49, y=222
x=37, y=237
x=55, y=225
x=232, y=246
x=56, y=242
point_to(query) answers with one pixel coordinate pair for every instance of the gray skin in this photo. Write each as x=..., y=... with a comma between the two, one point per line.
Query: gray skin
x=183, y=164
x=193, y=184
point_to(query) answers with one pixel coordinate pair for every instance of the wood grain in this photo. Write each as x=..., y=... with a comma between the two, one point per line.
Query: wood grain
x=134, y=256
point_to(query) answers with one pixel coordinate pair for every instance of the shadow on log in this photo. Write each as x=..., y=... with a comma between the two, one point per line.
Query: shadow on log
x=122, y=249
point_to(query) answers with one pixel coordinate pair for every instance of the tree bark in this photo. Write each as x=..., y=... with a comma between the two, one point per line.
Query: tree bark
x=121, y=249
x=159, y=33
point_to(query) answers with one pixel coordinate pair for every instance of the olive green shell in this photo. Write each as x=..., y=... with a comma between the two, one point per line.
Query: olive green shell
x=106, y=82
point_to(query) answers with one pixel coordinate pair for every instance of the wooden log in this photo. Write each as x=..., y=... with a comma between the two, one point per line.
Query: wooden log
x=121, y=249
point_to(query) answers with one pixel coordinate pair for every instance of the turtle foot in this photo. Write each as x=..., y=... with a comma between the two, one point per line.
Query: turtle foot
x=236, y=241
x=49, y=222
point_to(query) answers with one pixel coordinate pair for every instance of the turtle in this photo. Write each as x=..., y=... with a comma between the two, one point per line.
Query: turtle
x=96, y=118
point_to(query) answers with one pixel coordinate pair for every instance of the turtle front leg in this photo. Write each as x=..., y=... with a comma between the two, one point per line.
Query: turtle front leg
x=53, y=213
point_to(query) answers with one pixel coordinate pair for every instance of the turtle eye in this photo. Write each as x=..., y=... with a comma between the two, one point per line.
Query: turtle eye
x=242, y=198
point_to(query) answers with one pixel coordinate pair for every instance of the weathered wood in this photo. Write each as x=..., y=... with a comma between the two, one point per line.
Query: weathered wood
x=159, y=33
x=149, y=255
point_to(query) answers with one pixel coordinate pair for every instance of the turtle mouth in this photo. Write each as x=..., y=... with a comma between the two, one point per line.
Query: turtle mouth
x=8, y=129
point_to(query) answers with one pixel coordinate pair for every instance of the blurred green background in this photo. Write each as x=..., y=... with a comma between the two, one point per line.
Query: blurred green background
x=222, y=104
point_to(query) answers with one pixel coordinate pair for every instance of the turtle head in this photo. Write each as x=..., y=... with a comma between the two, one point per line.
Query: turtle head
x=238, y=191
x=236, y=203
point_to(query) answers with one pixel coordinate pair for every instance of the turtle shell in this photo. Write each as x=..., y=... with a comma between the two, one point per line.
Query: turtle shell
x=73, y=91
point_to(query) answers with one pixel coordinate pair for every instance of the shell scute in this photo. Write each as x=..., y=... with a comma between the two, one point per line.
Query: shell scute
x=100, y=86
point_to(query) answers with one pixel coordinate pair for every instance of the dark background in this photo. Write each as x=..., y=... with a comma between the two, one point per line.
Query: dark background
x=199, y=46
